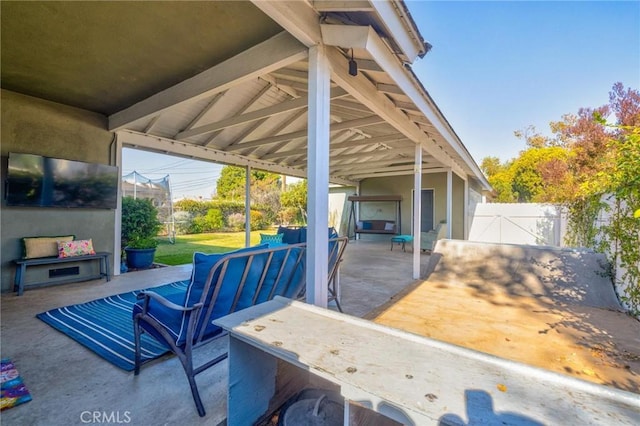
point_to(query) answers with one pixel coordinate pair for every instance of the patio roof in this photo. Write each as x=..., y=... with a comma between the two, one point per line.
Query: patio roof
x=228, y=81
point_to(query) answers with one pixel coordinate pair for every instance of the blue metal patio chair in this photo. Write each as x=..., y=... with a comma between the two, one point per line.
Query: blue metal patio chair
x=221, y=284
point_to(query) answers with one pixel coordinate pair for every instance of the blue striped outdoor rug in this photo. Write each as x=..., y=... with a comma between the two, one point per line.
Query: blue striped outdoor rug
x=105, y=326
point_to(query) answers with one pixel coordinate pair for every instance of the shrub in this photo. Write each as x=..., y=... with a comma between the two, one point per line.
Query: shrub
x=236, y=221
x=140, y=223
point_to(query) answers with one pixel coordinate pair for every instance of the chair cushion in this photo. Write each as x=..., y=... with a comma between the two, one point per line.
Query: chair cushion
x=290, y=236
x=202, y=264
x=173, y=321
x=291, y=280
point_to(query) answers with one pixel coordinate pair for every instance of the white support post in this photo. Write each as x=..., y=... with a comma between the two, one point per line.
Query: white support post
x=247, y=208
x=417, y=210
x=465, y=209
x=449, y=202
x=117, y=237
x=318, y=177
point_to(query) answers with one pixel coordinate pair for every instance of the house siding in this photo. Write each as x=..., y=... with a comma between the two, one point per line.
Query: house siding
x=35, y=126
x=403, y=185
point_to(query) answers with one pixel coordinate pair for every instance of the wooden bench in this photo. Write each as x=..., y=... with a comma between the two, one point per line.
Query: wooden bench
x=21, y=269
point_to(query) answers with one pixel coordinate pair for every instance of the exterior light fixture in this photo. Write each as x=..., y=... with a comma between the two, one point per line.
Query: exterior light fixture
x=353, y=66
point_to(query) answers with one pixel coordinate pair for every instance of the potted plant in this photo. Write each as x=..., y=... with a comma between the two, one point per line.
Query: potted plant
x=140, y=225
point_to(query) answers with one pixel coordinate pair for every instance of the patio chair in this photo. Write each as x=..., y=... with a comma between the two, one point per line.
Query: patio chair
x=428, y=239
x=220, y=284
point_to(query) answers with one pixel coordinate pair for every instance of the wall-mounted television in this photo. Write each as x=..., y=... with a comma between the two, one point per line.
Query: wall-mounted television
x=37, y=181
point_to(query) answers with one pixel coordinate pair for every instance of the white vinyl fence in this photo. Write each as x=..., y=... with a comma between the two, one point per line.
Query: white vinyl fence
x=532, y=224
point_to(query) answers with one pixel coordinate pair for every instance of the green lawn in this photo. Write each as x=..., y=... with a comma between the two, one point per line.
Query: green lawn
x=182, y=251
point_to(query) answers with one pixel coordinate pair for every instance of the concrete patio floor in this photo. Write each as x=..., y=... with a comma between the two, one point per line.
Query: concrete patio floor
x=515, y=305
x=71, y=385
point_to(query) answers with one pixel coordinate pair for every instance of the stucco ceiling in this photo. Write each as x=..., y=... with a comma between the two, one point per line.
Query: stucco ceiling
x=105, y=56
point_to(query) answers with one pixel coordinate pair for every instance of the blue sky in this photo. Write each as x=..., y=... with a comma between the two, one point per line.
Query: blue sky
x=495, y=67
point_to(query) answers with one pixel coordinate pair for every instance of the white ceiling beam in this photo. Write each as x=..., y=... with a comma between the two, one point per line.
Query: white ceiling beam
x=407, y=106
x=350, y=105
x=353, y=166
x=270, y=55
x=337, y=149
x=376, y=152
x=151, y=123
x=247, y=105
x=206, y=109
x=270, y=111
x=360, y=122
x=361, y=176
x=411, y=86
x=409, y=168
x=388, y=88
x=368, y=65
x=188, y=150
x=185, y=149
x=341, y=144
x=279, y=128
x=363, y=90
x=292, y=75
x=298, y=18
x=402, y=30
x=342, y=6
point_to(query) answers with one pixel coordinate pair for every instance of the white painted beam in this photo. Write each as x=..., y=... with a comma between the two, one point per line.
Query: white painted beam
x=465, y=209
x=298, y=18
x=270, y=55
x=345, y=144
x=417, y=211
x=449, y=202
x=185, y=149
x=407, y=168
x=318, y=177
x=343, y=6
x=359, y=122
x=364, y=91
x=349, y=36
x=270, y=111
x=247, y=207
x=389, y=88
x=401, y=29
x=369, y=65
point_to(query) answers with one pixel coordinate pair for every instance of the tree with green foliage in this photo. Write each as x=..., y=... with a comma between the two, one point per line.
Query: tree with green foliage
x=294, y=203
x=592, y=168
x=232, y=181
x=538, y=173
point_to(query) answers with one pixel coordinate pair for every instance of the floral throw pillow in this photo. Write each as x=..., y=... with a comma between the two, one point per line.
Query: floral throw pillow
x=75, y=248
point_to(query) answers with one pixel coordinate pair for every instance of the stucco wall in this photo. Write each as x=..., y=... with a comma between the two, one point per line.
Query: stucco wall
x=35, y=126
x=403, y=185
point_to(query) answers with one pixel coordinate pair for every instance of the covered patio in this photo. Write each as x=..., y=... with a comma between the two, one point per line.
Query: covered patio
x=69, y=383
x=580, y=335
x=269, y=85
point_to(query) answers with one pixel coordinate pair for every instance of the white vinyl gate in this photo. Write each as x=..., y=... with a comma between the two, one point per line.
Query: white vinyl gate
x=532, y=224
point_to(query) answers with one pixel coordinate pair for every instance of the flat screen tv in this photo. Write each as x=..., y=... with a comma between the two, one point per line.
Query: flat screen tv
x=37, y=181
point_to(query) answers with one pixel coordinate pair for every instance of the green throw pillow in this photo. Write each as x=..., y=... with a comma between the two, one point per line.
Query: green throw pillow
x=266, y=238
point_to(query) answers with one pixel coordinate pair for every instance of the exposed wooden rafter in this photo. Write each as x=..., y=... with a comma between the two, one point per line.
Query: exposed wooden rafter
x=248, y=117
x=272, y=54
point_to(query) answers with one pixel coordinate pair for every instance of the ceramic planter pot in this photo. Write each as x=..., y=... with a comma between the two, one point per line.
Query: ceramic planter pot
x=140, y=258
